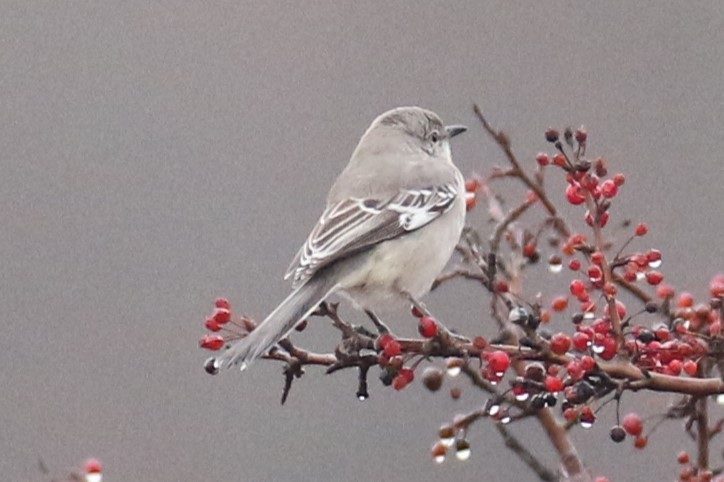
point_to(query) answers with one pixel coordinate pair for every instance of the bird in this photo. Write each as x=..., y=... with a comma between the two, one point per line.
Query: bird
x=391, y=223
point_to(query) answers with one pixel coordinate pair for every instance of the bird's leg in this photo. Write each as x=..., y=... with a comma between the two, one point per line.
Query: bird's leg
x=379, y=324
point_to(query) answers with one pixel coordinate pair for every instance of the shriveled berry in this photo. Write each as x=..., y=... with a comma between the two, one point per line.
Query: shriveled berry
x=552, y=134
x=432, y=378
x=617, y=433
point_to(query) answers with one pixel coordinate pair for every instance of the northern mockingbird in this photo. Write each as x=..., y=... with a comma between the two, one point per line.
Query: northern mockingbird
x=392, y=221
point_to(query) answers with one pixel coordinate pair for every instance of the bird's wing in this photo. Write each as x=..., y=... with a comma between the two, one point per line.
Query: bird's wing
x=354, y=224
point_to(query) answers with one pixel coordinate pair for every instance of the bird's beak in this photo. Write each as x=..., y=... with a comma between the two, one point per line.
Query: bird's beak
x=452, y=131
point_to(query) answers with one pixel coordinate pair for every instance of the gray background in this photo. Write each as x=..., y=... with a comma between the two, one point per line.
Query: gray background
x=156, y=154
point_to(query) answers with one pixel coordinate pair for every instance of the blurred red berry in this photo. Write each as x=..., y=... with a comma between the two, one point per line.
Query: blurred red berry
x=501, y=286
x=581, y=341
x=619, y=179
x=384, y=340
x=716, y=286
x=498, y=361
x=222, y=316
x=542, y=159
x=574, y=265
x=664, y=291
x=559, y=160
x=560, y=343
x=577, y=287
x=559, y=303
x=609, y=189
x=641, y=442
x=574, y=194
x=471, y=200
x=211, y=324
x=530, y=250
x=211, y=342
x=222, y=303
x=633, y=424
x=581, y=135
x=682, y=458
x=654, y=277
x=686, y=300
x=472, y=184
x=597, y=257
x=595, y=273
x=427, y=327
x=554, y=384
x=588, y=363
x=92, y=466
x=641, y=229
x=392, y=348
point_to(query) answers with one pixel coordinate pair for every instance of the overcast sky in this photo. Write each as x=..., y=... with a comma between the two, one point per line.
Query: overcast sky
x=156, y=154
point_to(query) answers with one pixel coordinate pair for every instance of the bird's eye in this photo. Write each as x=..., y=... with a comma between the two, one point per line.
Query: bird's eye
x=435, y=136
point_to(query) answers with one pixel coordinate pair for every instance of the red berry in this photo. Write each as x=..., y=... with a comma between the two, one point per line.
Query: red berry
x=686, y=300
x=620, y=310
x=407, y=373
x=633, y=424
x=559, y=160
x=574, y=265
x=383, y=340
x=588, y=363
x=554, y=384
x=716, y=286
x=498, y=361
x=595, y=273
x=222, y=316
x=543, y=159
x=211, y=324
x=597, y=257
x=574, y=194
x=471, y=199
x=501, y=286
x=587, y=415
x=570, y=414
x=427, y=327
x=654, y=277
x=609, y=189
x=653, y=256
x=664, y=291
x=619, y=179
x=222, y=303
x=581, y=341
x=399, y=382
x=640, y=442
x=674, y=367
x=682, y=458
x=581, y=135
x=480, y=342
x=560, y=343
x=92, y=466
x=575, y=370
x=530, y=250
x=392, y=348
x=642, y=229
x=559, y=303
x=577, y=288
x=211, y=342
x=472, y=184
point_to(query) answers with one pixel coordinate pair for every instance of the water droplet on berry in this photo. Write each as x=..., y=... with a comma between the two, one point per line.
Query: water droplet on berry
x=656, y=263
x=211, y=366
x=453, y=371
x=439, y=458
x=243, y=366
x=463, y=450
x=598, y=349
x=586, y=424
x=506, y=419
x=522, y=397
x=589, y=315
x=447, y=441
x=362, y=397
x=720, y=399
x=640, y=275
x=555, y=267
x=493, y=410
x=94, y=477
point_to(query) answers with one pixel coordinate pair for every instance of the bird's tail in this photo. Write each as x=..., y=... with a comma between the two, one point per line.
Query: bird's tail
x=295, y=308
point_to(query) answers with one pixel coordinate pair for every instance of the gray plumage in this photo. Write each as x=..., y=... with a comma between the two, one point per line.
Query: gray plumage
x=392, y=220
